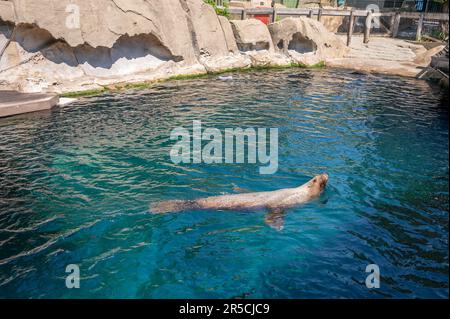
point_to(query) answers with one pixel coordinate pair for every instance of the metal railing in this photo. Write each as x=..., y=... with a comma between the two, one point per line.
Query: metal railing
x=287, y=3
x=393, y=17
x=402, y=5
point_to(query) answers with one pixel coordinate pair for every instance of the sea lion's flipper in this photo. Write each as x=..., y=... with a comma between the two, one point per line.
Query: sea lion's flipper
x=238, y=189
x=172, y=206
x=275, y=218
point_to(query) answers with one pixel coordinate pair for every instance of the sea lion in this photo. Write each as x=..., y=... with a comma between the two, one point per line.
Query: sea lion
x=225, y=78
x=363, y=72
x=275, y=202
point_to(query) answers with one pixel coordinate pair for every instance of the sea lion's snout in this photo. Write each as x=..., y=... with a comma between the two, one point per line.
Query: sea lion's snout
x=323, y=180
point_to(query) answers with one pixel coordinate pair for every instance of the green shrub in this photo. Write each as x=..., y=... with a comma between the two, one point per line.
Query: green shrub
x=219, y=11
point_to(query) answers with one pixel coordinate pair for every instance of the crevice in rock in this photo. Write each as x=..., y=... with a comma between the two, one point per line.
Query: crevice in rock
x=134, y=12
x=280, y=44
x=301, y=44
x=258, y=46
x=7, y=30
x=128, y=47
x=32, y=38
x=191, y=28
x=223, y=32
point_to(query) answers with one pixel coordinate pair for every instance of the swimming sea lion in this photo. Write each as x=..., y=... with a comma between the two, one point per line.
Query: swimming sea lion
x=225, y=78
x=275, y=201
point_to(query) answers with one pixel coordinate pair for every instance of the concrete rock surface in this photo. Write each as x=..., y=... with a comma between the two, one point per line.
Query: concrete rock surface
x=64, y=45
x=306, y=40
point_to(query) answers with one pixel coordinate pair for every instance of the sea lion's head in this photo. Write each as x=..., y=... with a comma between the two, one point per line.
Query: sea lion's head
x=318, y=183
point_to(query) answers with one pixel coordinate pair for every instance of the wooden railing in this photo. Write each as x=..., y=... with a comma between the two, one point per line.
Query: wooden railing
x=369, y=15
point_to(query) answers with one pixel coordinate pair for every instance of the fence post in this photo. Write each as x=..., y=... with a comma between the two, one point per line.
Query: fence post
x=394, y=28
x=243, y=14
x=319, y=14
x=310, y=14
x=367, y=27
x=426, y=7
x=391, y=23
x=274, y=15
x=350, y=28
x=419, y=27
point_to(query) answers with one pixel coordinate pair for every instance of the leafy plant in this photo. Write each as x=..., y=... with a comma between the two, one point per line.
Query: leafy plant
x=439, y=34
x=221, y=11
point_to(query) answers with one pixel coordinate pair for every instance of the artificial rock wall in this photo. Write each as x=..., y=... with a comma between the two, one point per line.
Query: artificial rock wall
x=69, y=45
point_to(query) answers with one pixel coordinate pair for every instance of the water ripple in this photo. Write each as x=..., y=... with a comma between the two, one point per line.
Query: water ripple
x=75, y=184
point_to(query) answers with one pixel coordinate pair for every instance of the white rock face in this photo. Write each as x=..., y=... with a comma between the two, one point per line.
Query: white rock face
x=7, y=11
x=228, y=33
x=251, y=35
x=49, y=47
x=385, y=56
x=101, y=23
x=65, y=45
x=254, y=41
x=306, y=40
x=209, y=36
x=231, y=61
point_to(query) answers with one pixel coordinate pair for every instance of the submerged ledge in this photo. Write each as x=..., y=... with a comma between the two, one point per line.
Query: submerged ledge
x=147, y=84
x=15, y=103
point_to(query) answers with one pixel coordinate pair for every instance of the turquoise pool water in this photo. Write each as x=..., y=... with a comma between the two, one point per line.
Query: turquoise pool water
x=75, y=185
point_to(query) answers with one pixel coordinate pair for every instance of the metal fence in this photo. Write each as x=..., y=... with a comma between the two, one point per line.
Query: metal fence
x=287, y=3
x=402, y=5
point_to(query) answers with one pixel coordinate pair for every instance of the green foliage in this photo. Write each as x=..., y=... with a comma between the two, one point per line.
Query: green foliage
x=187, y=76
x=319, y=65
x=440, y=1
x=219, y=11
x=84, y=93
x=439, y=34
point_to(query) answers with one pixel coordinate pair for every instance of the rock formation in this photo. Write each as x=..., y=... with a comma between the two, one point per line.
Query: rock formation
x=229, y=35
x=306, y=40
x=55, y=45
x=385, y=56
x=251, y=35
x=254, y=41
x=67, y=45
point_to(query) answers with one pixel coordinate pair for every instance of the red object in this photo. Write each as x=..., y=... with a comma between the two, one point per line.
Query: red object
x=264, y=18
